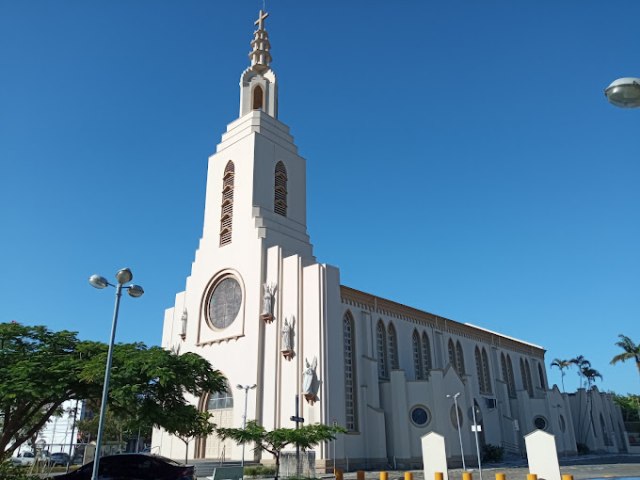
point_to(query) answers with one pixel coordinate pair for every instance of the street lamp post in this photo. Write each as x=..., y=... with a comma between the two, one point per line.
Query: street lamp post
x=246, y=389
x=455, y=403
x=123, y=276
x=624, y=92
x=476, y=429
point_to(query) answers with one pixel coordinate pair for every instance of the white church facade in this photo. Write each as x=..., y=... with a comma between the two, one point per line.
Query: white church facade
x=264, y=312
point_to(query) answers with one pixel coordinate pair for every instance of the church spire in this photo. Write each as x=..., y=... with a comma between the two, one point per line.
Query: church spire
x=260, y=46
x=258, y=86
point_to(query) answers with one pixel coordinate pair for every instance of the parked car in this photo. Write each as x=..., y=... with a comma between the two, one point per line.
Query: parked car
x=133, y=466
x=24, y=458
x=59, y=458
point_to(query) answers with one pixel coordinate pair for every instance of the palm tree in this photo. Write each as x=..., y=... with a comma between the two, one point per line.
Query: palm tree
x=562, y=365
x=631, y=351
x=590, y=375
x=581, y=363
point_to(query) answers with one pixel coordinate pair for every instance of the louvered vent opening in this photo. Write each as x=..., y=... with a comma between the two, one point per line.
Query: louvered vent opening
x=226, y=216
x=280, y=190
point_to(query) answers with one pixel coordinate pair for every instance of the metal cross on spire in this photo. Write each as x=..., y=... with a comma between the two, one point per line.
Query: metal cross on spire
x=261, y=18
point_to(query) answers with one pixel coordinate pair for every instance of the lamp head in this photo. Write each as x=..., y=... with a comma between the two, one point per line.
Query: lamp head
x=97, y=281
x=135, y=291
x=239, y=387
x=253, y=386
x=124, y=275
x=624, y=92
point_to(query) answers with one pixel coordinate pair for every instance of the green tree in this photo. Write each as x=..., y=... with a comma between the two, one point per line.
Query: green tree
x=631, y=351
x=562, y=366
x=276, y=440
x=630, y=406
x=187, y=424
x=40, y=369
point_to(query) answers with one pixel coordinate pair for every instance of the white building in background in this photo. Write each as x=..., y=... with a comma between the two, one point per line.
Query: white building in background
x=59, y=433
x=262, y=310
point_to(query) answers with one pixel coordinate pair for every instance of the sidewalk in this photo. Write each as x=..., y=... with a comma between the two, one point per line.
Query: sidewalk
x=581, y=467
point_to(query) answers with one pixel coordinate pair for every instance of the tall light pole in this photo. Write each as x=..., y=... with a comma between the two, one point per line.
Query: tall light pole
x=476, y=429
x=123, y=276
x=246, y=389
x=455, y=403
x=624, y=92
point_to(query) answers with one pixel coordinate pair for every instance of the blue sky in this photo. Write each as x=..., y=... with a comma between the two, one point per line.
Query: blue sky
x=462, y=158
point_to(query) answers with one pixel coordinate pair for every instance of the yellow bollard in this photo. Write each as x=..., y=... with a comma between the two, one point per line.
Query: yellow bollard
x=467, y=476
x=501, y=476
x=532, y=476
x=408, y=476
x=438, y=476
x=384, y=476
x=360, y=475
x=339, y=473
x=567, y=476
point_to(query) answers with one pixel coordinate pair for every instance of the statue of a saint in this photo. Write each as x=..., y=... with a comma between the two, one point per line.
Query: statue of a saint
x=287, y=335
x=267, y=302
x=310, y=380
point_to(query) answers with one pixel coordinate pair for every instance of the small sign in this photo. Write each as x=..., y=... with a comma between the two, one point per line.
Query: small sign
x=293, y=418
x=476, y=428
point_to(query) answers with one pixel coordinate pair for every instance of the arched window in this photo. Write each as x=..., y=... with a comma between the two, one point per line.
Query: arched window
x=258, y=98
x=507, y=375
x=426, y=354
x=351, y=411
x=478, y=357
x=460, y=359
x=280, y=190
x=393, y=347
x=526, y=376
x=418, y=366
x=527, y=371
x=381, y=347
x=512, y=378
x=226, y=217
x=541, y=377
x=486, y=372
x=452, y=354
x=220, y=400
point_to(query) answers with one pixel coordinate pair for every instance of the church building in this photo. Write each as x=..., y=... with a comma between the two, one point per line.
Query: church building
x=289, y=336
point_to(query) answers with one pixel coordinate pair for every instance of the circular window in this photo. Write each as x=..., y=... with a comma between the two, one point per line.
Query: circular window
x=224, y=302
x=420, y=416
x=563, y=425
x=454, y=420
x=540, y=423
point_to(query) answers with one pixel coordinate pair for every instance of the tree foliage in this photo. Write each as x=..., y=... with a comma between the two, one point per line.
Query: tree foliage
x=631, y=351
x=275, y=441
x=630, y=406
x=40, y=369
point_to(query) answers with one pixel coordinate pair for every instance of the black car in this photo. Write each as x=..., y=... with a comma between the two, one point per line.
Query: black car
x=133, y=466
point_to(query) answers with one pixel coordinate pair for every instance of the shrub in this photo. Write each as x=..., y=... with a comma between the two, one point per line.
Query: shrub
x=259, y=471
x=12, y=472
x=492, y=453
x=582, y=448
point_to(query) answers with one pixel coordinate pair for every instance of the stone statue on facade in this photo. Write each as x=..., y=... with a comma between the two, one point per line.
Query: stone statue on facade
x=310, y=382
x=267, y=302
x=288, y=338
